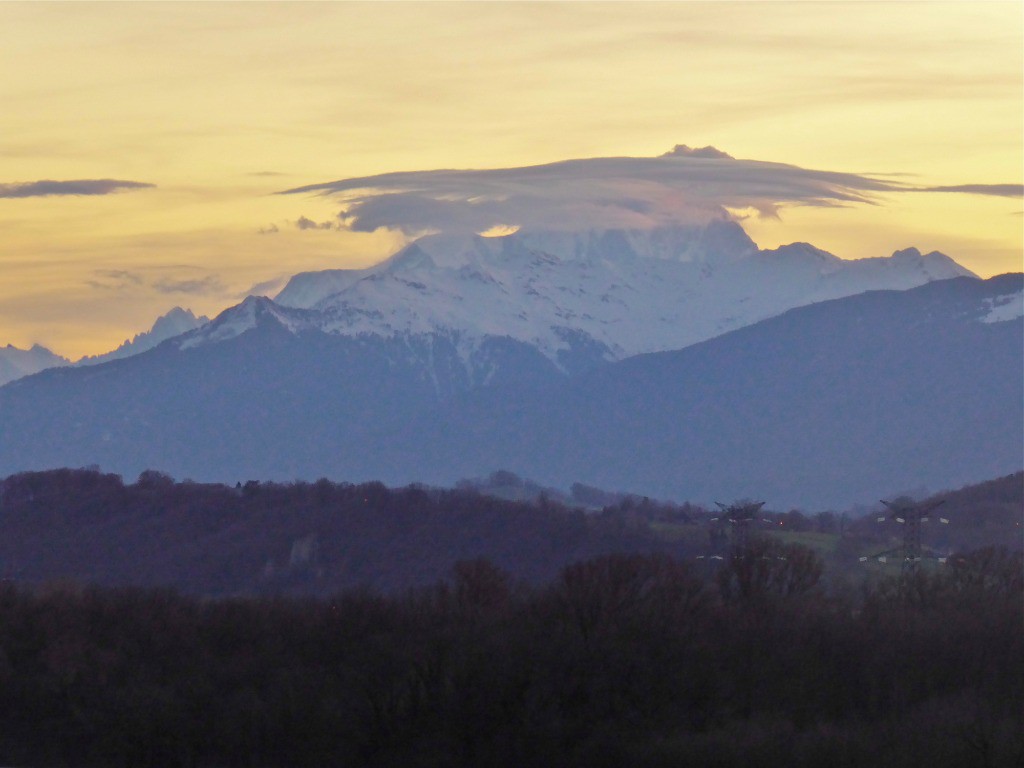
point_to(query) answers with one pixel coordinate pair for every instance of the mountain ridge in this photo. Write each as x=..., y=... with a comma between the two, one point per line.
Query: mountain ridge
x=798, y=407
x=174, y=322
x=626, y=292
x=581, y=298
x=16, y=363
x=814, y=407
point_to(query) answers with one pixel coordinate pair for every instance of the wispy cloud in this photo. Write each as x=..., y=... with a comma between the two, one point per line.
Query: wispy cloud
x=303, y=223
x=999, y=190
x=202, y=286
x=120, y=274
x=264, y=288
x=49, y=188
x=137, y=283
x=114, y=279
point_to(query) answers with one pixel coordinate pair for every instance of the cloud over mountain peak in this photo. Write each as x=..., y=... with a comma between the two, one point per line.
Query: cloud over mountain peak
x=680, y=187
x=685, y=186
x=708, y=152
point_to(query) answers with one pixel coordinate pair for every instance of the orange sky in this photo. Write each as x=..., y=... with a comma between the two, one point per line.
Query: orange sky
x=221, y=105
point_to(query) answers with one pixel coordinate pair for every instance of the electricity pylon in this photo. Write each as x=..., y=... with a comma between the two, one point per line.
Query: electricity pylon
x=910, y=516
x=741, y=516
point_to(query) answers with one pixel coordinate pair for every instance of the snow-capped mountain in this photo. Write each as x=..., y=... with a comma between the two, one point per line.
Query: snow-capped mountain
x=461, y=355
x=15, y=363
x=841, y=401
x=826, y=404
x=617, y=293
x=176, y=322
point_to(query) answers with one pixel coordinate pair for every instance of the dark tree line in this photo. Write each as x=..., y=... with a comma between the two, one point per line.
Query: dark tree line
x=620, y=660
x=323, y=537
x=559, y=638
x=294, y=538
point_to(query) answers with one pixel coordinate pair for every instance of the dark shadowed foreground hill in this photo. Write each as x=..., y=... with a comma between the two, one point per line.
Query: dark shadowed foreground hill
x=826, y=405
x=86, y=527
x=638, y=660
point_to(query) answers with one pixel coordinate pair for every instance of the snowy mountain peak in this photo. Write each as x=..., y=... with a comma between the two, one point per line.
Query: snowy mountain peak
x=935, y=265
x=307, y=288
x=613, y=292
x=444, y=251
x=174, y=323
x=478, y=257
x=15, y=363
x=253, y=312
x=907, y=254
x=803, y=255
x=718, y=241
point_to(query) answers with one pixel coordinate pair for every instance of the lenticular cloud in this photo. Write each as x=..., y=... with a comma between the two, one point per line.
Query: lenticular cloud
x=78, y=187
x=682, y=187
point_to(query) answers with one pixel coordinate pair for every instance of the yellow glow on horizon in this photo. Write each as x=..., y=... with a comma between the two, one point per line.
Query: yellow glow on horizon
x=222, y=104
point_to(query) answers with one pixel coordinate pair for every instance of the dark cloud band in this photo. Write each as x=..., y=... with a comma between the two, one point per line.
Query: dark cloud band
x=48, y=188
x=999, y=190
x=680, y=187
x=122, y=280
x=683, y=186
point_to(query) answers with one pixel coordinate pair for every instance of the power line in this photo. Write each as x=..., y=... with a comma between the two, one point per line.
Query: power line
x=741, y=516
x=910, y=516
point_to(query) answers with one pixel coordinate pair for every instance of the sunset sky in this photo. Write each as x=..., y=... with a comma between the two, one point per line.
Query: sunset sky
x=178, y=123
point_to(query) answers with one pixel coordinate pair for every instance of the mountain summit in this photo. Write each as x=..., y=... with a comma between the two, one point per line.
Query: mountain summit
x=824, y=405
x=463, y=354
x=15, y=363
x=613, y=292
x=176, y=322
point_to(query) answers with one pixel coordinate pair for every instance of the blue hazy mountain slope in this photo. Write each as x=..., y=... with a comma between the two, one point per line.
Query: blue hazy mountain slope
x=15, y=363
x=266, y=404
x=824, y=405
x=829, y=404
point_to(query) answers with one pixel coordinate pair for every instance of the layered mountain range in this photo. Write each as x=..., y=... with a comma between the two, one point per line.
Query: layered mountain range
x=532, y=352
x=604, y=295
x=15, y=363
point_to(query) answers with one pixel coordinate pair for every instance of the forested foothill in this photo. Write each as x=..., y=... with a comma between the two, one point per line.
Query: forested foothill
x=166, y=623
x=256, y=538
x=299, y=538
